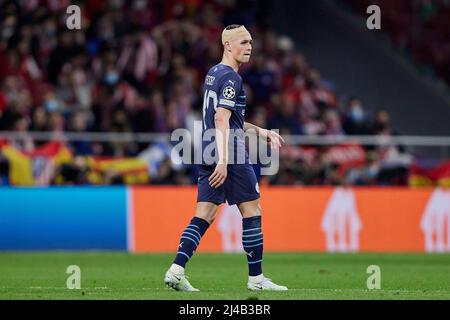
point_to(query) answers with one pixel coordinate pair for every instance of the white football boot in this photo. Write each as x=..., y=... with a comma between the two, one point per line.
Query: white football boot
x=178, y=282
x=264, y=284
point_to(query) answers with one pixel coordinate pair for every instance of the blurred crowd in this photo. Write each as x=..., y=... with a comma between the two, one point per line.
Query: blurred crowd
x=138, y=66
x=420, y=28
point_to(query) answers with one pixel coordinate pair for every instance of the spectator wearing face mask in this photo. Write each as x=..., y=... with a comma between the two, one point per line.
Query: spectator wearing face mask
x=355, y=119
x=52, y=103
x=110, y=94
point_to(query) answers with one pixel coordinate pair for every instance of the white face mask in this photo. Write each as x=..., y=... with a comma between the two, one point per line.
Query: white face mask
x=111, y=78
x=357, y=114
x=51, y=105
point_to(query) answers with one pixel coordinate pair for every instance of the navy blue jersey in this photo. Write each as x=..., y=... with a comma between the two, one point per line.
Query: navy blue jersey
x=223, y=88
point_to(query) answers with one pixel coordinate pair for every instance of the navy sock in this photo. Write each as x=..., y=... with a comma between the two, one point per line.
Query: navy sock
x=252, y=241
x=190, y=240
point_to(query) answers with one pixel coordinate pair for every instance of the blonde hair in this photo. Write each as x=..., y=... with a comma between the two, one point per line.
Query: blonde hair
x=233, y=31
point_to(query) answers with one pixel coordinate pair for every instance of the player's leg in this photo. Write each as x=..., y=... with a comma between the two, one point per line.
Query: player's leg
x=189, y=241
x=252, y=237
x=242, y=189
x=208, y=199
x=252, y=241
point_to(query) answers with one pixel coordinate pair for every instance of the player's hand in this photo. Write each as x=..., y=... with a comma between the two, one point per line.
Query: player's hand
x=219, y=175
x=272, y=137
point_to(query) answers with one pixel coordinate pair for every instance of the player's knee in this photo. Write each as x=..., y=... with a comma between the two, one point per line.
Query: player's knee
x=251, y=212
x=211, y=220
x=257, y=212
x=212, y=217
x=209, y=216
x=206, y=211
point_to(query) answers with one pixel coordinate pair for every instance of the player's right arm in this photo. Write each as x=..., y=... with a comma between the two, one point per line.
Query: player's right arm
x=222, y=123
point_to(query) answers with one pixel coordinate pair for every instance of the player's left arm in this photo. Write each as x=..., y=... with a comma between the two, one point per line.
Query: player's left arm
x=271, y=136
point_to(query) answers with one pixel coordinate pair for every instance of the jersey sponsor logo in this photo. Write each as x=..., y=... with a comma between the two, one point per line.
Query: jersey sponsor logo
x=229, y=92
x=232, y=82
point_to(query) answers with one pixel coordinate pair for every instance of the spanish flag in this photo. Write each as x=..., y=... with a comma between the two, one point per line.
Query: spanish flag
x=436, y=176
x=131, y=170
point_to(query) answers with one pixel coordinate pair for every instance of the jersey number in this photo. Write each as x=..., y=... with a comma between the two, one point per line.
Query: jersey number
x=209, y=94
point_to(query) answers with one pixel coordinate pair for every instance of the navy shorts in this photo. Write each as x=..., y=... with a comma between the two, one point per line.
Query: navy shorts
x=240, y=185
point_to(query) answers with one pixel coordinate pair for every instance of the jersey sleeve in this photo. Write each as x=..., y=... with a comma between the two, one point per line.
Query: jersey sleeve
x=229, y=89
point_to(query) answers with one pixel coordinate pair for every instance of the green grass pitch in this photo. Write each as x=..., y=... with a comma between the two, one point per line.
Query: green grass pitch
x=117, y=275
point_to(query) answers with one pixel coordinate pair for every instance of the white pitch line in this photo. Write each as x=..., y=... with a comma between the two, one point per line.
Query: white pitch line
x=427, y=291
x=82, y=288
